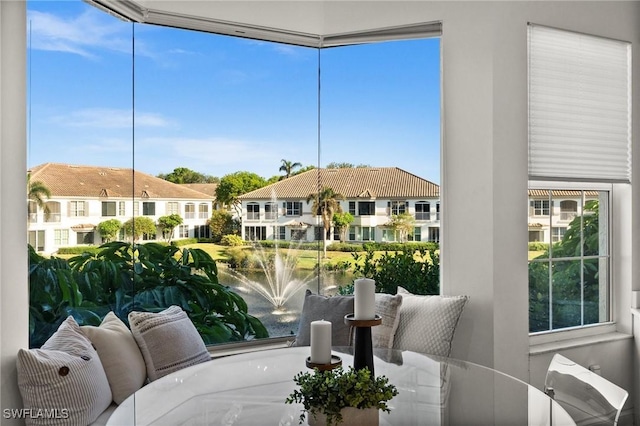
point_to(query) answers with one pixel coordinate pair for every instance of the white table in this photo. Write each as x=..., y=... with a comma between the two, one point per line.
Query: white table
x=250, y=389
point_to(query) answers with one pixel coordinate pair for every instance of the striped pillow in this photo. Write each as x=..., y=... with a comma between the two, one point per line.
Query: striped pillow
x=168, y=341
x=64, y=380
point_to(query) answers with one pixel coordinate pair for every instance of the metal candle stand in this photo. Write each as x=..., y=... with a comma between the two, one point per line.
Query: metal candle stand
x=336, y=361
x=363, y=349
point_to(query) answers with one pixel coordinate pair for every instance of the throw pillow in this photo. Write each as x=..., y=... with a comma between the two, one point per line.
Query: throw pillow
x=329, y=308
x=120, y=356
x=388, y=307
x=168, y=341
x=427, y=323
x=63, y=378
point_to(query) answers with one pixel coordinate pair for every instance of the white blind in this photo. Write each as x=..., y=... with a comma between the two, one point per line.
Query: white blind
x=579, y=106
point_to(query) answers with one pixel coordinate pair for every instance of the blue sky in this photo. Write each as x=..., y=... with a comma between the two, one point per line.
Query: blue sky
x=218, y=104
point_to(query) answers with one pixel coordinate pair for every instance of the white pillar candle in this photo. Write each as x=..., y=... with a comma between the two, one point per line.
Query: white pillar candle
x=321, y=342
x=365, y=299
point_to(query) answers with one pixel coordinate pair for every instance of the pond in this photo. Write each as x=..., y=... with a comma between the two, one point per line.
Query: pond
x=259, y=290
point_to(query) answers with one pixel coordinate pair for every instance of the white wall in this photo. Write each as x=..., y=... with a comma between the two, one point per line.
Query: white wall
x=14, y=320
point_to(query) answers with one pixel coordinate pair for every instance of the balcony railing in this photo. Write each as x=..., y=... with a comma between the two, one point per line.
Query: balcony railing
x=423, y=216
x=52, y=217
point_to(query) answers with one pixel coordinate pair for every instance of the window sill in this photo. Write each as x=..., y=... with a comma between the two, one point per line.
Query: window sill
x=576, y=342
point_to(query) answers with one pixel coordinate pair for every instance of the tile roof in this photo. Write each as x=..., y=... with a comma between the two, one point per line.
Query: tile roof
x=205, y=188
x=535, y=193
x=69, y=180
x=358, y=182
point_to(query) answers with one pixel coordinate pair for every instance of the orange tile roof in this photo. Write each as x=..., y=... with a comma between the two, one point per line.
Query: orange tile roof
x=358, y=182
x=537, y=193
x=69, y=180
x=205, y=188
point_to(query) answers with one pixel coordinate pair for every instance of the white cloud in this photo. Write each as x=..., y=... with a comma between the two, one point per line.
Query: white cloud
x=111, y=119
x=81, y=35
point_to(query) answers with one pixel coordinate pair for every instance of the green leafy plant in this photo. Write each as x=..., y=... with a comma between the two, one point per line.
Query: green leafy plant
x=328, y=392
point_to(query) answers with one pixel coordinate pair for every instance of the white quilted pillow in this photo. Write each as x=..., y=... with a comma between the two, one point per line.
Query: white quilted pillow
x=168, y=341
x=63, y=378
x=120, y=356
x=427, y=323
x=388, y=307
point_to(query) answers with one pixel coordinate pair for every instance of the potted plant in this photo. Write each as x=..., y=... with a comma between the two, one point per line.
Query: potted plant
x=340, y=396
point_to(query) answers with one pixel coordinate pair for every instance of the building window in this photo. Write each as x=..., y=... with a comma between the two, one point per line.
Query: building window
x=352, y=207
x=298, y=234
x=292, y=208
x=173, y=207
x=388, y=235
x=417, y=234
x=423, y=210
x=203, y=211
x=352, y=233
x=149, y=209
x=253, y=211
x=255, y=233
x=77, y=209
x=557, y=234
x=136, y=208
x=108, y=208
x=271, y=211
x=539, y=207
x=60, y=237
x=437, y=211
x=434, y=234
x=368, y=233
x=36, y=240
x=54, y=212
x=397, y=207
x=282, y=233
x=32, y=210
x=202, y=232
x=183, y=231
x=568, y=209
x=189, y=211
x=84, y=237
x=121, y=208
x=366, y=208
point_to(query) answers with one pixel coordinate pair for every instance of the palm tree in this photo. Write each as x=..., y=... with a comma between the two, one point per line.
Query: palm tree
x=39, y=193
x=326, y=204
x=288, y=166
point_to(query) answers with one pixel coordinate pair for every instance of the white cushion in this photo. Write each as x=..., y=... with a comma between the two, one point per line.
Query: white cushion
x=329, y=308
x=120, y=356
x=427, y=323
x=168, y=341
x=388, y=307
x=66, y=375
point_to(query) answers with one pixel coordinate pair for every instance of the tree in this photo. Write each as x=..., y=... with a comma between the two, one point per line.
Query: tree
x=233, y=185
x=403, y=224
x=138, y=226
x=167, y=224
x=39, y=193
x=334, y=165
x=288, y=166
x=221, y=224
x=342, y=220
x=185, y=175
x=326, y=203
x=109, y=229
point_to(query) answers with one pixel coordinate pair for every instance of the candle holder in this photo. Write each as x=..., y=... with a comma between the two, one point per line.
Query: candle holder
x=336, y=361
x=363, y=348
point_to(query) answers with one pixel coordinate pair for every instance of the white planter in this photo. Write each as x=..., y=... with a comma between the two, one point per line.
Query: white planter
x=350, y=417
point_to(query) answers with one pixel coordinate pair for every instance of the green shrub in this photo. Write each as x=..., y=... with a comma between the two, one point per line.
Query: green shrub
x=394, y=246
x=184, y=242
x=237, y=258
x=345, y=247
x=232, y=240
x=538, y=246
x=78, y=250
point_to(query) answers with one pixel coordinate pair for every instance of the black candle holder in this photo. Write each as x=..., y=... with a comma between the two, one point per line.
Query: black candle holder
x=336, y=361
x=363, y=348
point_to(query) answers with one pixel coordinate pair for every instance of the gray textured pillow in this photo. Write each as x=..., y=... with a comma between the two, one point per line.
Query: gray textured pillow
x=388, y=307
x=332, y=309
x=427, y=323
x=64, y=376
x=120, y=356
x=168, y=341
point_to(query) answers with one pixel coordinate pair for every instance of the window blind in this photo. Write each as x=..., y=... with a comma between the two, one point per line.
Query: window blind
x=579, y=106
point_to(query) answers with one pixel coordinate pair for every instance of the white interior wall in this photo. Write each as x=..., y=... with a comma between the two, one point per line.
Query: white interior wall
x=484, y=170
x=14, y=302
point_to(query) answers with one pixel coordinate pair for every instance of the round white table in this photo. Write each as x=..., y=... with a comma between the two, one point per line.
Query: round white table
x=250, y=389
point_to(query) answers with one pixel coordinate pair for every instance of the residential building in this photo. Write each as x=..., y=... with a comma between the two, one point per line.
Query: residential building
x=371, y=194
x=83, y=196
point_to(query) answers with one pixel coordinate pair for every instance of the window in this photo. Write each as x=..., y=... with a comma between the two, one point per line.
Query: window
x=368, y=233
x=352, y=207
x=60, y=237
x=32, y=210
x=434, y=234
x=173, y=207
x=36, y=240
x=366, y=208
x=292, y=208
x=352, y=233
x=255, y=233
x=398, y=207
x=189, y=211
x=183, y=231
x=108, y=208
x=203, y=211
x=136, y=208
x=417, y=234
x=148, y=208
x=77, y=208
x=54, y=212
x=270, y=211
x=282, y=233
x=84, y=237
x=253, y=211
x=299, y=234
x=437, y=211
x=423, y=210
x=121, y=208
x=388, y=235
x=574, y=169
x=202, y=231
